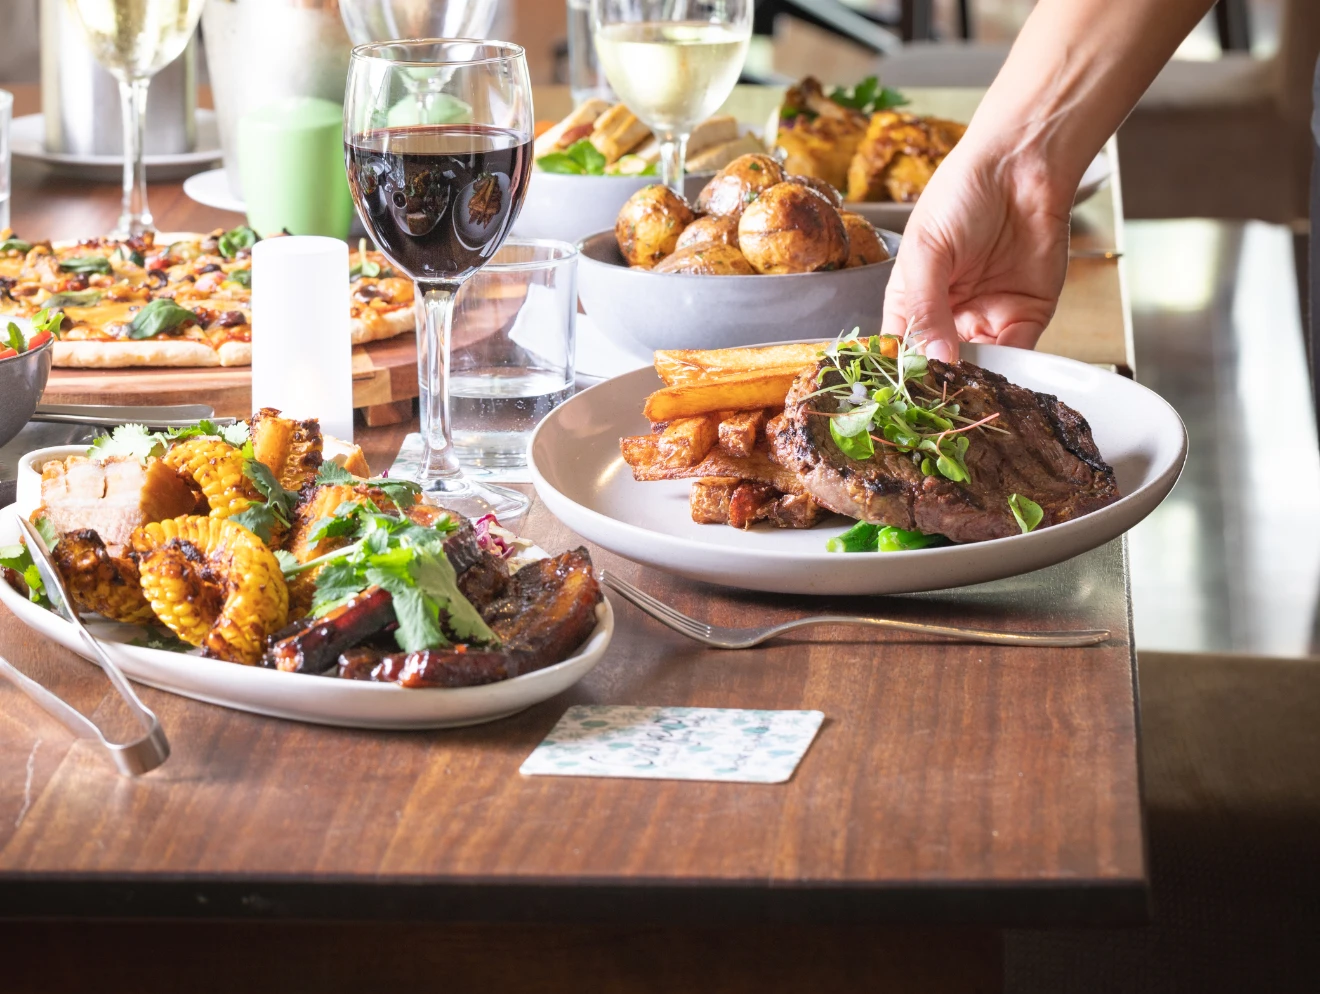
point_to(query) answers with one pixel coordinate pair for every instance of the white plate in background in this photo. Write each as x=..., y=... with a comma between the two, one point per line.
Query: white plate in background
x=28, y=141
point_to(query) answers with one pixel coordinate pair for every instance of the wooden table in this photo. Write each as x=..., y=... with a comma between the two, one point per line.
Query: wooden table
x=953, y=791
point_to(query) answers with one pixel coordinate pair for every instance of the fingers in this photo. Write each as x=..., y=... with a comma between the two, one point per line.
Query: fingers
x=917, y=299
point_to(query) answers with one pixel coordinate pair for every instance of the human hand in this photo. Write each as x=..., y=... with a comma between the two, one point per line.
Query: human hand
x=984, y=254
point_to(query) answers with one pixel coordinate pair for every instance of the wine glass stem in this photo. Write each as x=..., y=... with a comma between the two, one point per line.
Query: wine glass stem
x=439, y=462
x=134, y=215
x=673, y=153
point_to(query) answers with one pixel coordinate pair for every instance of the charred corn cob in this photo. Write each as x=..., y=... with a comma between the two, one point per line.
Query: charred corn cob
x=213, y=583
x=98, y=582
x=292, y=449
x=216, y=468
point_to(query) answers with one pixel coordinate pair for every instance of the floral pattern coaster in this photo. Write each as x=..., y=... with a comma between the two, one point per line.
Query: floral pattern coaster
x=659, y=743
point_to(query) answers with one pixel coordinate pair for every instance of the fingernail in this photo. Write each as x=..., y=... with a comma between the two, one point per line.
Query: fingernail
x=941, y=350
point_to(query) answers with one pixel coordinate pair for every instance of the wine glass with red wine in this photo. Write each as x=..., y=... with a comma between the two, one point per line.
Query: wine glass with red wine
x=438, y=147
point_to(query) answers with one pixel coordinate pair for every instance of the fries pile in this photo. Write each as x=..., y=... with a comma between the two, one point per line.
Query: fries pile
x=713, y=423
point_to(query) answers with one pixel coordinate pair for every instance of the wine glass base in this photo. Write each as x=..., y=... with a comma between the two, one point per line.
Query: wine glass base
x=473, y=500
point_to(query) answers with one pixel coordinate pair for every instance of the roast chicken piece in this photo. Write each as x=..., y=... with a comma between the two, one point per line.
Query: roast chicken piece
x=898, y=156
x=112, y=497
x=818, y=137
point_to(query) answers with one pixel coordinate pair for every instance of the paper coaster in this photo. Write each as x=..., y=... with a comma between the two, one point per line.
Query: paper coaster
x=659, y=743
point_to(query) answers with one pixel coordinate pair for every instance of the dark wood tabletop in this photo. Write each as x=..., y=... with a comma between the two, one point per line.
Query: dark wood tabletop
x=950, y=783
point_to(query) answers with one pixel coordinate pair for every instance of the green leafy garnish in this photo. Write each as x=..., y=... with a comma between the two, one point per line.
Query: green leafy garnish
x=287, y=560
x=868, y=96
x=863, y=537
x=364, y=266
x=87, y=265
x=235, y=434
x=406, y=559
x=75, y=298
x=159, y=316
x=131, y=255
x=243, y=277
x=886, y=401
x=281, y=501
x=1026, y=512
x=132, y=441
x=237, y=238
x=48, y=319
x=402, y=492
x=14, y=338
x=12, y=244
x=580, y=159
x=19, y=559
x=259, y=519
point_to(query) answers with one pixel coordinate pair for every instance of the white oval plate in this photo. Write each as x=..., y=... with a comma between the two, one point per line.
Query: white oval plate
x=28, y=137
x=894, y=216
x=579, y=474
x=299, y=696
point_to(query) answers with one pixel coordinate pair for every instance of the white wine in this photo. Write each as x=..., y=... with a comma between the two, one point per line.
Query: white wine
x=135, y=39
x=672, y=74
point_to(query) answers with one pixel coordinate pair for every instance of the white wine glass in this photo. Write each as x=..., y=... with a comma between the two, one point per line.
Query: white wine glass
x=134, y=40
x=672, y=63
x=387, y=20
x=439, y=195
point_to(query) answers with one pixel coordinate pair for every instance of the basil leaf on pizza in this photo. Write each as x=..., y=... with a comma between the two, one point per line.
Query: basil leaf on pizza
x=87, y=265
x=12, y=244
x=160, y=316
x=243, y=277
x=237, y=238
x=75, y=298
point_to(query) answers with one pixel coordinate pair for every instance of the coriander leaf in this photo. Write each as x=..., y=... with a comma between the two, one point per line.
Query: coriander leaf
x=46, y=529
x=237, y=238
x=259, y=519
x=165, y=641
x=402, y=492
x=336, y=582
x=278, y=499
x=341, y=524
x=19, y=559
x=132, y=441
x=332, y=473
x=287, y=560
x=857, y=446
x=861, y=537
x=87, y=265
x=236, y=434
x=435, y=575
x=158, y=317
x=12, y=244
x=74, y=298
x=242, y=276
x=36, y=586
x=418, y=615
x=1026, y=512
x=15, y=338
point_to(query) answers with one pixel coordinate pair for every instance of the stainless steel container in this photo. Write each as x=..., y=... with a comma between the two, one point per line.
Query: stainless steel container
x=261, y=51
x=80, y=100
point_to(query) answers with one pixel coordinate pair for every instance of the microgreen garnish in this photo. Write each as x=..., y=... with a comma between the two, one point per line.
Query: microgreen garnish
x=884, y=399
x=406, y=559
x=402, y=492
x=580, y=159
x=863, y=537
x=1026, y=512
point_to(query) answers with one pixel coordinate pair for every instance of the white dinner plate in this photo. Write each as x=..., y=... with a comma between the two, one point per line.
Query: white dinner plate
x=579, y=474
x=300, y=696
x=887, y=214
x=211, y=189
x=28, y=141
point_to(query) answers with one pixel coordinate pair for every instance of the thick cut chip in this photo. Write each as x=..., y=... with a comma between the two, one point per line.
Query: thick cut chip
x=642, y=454
x=683, y=366
x=739, y=431
x=741, y=392
x=685, y=441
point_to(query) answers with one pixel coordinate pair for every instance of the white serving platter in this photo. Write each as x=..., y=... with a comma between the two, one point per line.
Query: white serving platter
x=579, y=474
x=297, y=696
x=28, y=141
x=893, y=216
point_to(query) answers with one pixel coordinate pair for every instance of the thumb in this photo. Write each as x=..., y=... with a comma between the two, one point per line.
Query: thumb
x=917, y=300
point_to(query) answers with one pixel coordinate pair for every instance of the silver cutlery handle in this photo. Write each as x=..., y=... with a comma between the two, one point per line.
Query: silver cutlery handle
x=102, y=416
x=1069, y=639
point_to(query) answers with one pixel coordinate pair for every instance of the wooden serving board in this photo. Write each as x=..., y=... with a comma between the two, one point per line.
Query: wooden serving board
x=384, y=383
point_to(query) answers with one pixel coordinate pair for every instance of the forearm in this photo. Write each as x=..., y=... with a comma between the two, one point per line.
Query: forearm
x=1077, y=69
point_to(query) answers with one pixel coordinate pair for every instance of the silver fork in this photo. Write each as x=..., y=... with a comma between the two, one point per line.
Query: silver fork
x=744, y=638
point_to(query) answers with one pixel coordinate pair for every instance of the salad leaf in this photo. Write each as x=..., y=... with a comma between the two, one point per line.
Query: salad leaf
x=868, y=96
x=48, y=319
x=579, y=159
x=19, y=559
x=14, y=338
x=75, y=298
x=159, y=316
x=1026, y=512
x=365, y=266
x=87, y=265
x=237, y=238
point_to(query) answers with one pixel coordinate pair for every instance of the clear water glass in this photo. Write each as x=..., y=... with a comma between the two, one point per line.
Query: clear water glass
x=6, y=117
x=515, y=325
x=586, y=76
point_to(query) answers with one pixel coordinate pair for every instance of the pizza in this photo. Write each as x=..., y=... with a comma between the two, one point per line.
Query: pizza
x=184, y=302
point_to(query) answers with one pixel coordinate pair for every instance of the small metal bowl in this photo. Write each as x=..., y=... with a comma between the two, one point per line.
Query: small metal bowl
x=22, y=380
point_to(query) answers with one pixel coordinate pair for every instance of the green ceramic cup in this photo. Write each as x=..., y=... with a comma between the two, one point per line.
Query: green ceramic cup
x=291, y=165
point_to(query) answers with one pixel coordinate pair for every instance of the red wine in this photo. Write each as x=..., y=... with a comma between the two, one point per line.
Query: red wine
x=439, y=199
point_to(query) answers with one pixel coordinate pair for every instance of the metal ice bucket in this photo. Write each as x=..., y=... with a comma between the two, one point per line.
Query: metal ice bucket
x=261, y=51
x=80, y=100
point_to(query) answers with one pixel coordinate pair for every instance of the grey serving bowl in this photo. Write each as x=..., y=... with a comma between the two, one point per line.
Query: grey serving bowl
x=571, y=207
x=22, y=379
x=675, y=311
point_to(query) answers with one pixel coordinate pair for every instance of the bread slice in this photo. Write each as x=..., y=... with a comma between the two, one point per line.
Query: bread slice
x=618, y=132
x=719, y=156
x=568, y=130
x=708, y=134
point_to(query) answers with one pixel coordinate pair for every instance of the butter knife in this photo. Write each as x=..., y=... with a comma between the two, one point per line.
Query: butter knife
x=134, y=758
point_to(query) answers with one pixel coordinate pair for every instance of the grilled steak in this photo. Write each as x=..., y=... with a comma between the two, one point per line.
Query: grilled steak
x=547, y=610
x=1047, y=455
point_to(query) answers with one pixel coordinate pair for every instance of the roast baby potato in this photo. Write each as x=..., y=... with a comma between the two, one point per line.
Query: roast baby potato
x=649, y=224
x=739, y=184
x=791, y=228
x=707, y=259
